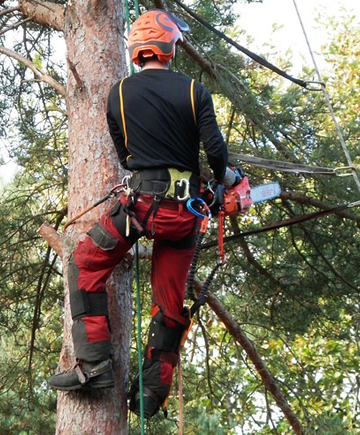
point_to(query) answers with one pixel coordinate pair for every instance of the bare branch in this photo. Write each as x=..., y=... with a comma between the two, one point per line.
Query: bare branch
x=8, y=11
x=79, y=82
x=52, y=237
x=46, y=13
x=36, y=70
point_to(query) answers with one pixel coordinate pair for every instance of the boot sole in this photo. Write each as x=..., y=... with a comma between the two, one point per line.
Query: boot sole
x=98, y=386
x=86, y=387
x=75, y=387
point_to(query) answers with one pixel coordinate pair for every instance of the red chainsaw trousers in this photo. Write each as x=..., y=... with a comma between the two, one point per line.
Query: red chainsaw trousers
x=105, y=246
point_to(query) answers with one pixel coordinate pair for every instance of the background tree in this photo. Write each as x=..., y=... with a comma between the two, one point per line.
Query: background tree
x=292, y=293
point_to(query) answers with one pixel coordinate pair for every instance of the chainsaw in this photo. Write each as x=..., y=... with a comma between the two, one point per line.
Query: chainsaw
x=239, y=198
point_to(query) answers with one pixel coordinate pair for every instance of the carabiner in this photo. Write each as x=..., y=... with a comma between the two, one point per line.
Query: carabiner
x=187, y=192
x=320, y=87
x=343, y=168
x=195, y=212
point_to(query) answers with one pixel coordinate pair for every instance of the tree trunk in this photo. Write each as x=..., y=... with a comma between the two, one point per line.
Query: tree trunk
x=96, y=60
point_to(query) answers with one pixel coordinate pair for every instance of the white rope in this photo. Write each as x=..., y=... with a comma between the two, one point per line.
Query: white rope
x=327, y=99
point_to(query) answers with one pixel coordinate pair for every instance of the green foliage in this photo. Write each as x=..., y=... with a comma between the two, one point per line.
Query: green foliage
x=33, y=127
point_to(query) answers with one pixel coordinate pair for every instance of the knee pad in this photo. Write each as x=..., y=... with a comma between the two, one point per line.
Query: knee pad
x=84, y=306
x=83, y=303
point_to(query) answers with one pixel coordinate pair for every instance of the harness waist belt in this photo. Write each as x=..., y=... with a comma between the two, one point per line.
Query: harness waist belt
x=168, y=183
x=164, y=203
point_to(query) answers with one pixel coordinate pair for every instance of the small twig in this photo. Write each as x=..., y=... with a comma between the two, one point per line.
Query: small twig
x=72, y=67
x=14, y=26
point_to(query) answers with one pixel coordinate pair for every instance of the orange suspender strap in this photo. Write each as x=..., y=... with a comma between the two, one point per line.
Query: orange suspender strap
x=123, y=116
x=122, y=110
x=192, y=96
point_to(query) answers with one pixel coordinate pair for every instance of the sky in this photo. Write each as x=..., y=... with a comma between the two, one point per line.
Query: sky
x=258, y=20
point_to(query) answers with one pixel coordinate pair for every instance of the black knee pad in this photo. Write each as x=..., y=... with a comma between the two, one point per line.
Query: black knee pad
x=84, y=303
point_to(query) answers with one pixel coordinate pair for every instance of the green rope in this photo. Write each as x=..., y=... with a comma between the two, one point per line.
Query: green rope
x=137, y=10
x=137, y=264
x=127, y=13
x=141, y=387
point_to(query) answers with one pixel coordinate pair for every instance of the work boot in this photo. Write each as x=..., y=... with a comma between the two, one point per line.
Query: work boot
x=85, y=376
x=154, y=391
x=150, y=400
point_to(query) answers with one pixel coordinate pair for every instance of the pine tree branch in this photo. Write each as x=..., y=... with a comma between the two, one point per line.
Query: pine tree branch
x=267, y=378
x=35, y=69
x=45, y=13
x=318, y=250
x=306, y=200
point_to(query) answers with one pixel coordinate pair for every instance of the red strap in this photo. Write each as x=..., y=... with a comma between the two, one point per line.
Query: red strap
x=204, y=224
x=154, y=310
x=221, y=236
x=181, y=414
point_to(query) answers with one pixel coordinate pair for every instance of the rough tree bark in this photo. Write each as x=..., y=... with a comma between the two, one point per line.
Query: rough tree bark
x=93, y=32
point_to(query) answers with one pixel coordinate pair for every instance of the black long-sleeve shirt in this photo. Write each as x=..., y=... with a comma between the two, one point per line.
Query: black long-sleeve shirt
x=161, y=131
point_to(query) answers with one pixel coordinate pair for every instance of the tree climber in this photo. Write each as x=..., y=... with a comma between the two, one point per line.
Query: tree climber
x=157, y=119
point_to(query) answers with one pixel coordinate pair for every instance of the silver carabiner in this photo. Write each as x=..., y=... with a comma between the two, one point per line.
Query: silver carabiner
x=320, y=86
x=187, y=190
x=343, y=168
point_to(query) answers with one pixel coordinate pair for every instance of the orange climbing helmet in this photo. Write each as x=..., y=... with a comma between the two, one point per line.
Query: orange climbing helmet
x=155, y=33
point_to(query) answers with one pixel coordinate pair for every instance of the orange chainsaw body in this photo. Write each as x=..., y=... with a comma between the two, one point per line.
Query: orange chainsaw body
x=237, y=199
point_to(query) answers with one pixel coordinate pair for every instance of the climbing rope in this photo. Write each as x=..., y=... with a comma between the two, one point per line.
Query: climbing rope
x=139, y=343
x=327, y=99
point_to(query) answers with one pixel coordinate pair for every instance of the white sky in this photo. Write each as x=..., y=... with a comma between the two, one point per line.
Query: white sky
x=258, y=19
